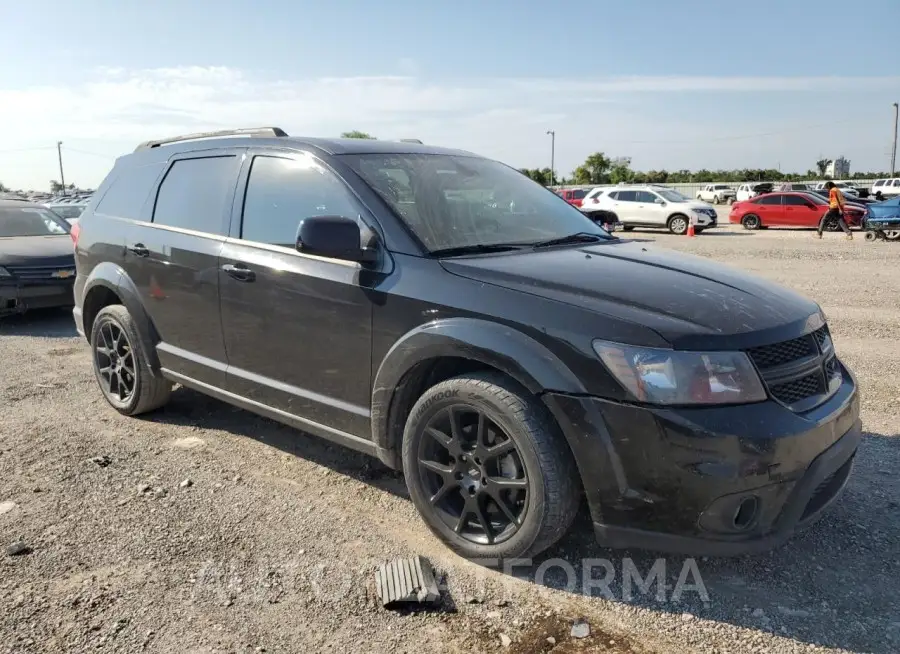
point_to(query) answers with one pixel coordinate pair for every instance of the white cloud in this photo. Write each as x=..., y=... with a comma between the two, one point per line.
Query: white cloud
x=506, y=118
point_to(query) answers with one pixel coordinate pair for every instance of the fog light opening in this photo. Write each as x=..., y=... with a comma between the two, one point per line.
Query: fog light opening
x=746, y=513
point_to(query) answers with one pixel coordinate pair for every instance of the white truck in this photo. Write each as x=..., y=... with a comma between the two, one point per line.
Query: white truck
x=717, y=194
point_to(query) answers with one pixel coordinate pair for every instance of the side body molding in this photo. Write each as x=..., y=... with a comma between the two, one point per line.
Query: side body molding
x=500, y=346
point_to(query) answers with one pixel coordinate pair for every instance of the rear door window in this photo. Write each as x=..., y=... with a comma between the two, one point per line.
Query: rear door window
x=196, y=193
x=769, y=199
x=627, y=196
x=796, y=201
x=578, y=194
x=645, y=196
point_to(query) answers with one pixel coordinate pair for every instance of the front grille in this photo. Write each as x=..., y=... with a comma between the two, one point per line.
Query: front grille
x=799, y=389
x=798, y=371
x=769, y=356
x=827, y=489
x=40, y=273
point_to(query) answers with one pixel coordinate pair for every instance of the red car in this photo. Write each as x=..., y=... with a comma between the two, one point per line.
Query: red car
x=788, y=210
x=573, y=196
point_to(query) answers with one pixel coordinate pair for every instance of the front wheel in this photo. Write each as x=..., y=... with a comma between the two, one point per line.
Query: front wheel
x=120, y=368
x=487, y=468
x=678, y=224
x=716, y=199
x=871, y=236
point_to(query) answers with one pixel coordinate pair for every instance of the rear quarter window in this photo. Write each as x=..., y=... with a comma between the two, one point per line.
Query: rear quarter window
x=195, y=194
x=129, y=190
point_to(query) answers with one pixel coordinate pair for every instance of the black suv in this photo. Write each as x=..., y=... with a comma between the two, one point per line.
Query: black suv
x=444, y=313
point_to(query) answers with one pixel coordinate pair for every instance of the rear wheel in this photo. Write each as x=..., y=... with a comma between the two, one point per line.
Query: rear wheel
x=751, y=221
x=487, y=468
x=716, y=199
x=627, y=228
x=120, y=368
x=678, y=224
x=892, y=235
x=871, y=236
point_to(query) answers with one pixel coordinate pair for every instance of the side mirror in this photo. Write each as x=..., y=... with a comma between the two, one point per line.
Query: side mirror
x=660, y=202
x=335, y=237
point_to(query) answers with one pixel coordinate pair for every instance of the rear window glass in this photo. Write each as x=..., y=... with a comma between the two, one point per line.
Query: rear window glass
x=195, y=194
x=129, y=191
x=30, y=221
x=627, y=196
x=578, y=194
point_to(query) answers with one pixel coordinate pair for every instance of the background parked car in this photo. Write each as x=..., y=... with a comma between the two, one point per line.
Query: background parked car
x=845, y=187
x=850, y=199
x=792, y=186
x=573, y=196
x=788, y=210
x=888, y=187
x=717, y=193
x=651, y=206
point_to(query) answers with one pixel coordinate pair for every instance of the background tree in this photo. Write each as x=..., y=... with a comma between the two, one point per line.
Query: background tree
x=356, y=134
x=821, y=165
x=3, y=188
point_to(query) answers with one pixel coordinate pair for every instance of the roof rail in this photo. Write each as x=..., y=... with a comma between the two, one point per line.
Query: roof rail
x=246, y=131
x=411, y=141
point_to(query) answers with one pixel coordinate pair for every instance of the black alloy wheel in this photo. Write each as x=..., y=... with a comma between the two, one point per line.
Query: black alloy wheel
x=124, y=375
x=751, y=221
x=488, y=469
x=114, y=362
x=473, y=475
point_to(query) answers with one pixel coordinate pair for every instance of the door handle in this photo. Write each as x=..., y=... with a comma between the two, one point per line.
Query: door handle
x=239, y=272
x=140, y=250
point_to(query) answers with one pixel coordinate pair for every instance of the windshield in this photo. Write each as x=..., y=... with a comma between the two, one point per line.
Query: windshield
x=671, y=196
x=63, y=211
x=30, y=221
x=457, y=201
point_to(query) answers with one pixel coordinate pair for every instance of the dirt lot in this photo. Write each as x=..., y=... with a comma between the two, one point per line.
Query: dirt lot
x=203, y=528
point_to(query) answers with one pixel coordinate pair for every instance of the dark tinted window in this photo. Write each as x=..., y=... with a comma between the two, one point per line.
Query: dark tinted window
x=645, y=196
x=614, y=195
x=627, y=196
x=796, y=201
x=769, y=199
x=282, y=192
x=195, y=194
x=129, y=190
x=578, y=194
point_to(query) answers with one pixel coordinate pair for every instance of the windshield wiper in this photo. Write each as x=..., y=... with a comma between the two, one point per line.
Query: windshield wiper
x=579, y=237
x=478, y=248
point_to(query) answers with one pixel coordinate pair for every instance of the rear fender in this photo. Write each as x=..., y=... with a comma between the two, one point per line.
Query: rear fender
x=114, y=278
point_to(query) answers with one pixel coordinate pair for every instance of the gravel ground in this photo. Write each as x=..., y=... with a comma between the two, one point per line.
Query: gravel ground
x=202, y=528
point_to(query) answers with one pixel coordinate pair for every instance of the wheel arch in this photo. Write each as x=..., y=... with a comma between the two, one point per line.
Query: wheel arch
x=109, y=284
x=443, y=349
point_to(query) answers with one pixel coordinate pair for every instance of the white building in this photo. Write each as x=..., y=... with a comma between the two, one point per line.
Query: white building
x=838, y=168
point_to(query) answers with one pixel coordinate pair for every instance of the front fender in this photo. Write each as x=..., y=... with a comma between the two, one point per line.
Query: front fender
x=499, y=346
x=112, y=277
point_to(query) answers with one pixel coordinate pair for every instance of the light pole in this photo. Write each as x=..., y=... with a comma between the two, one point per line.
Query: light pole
x=62, y=177
x=552, y=134
x=894, y=148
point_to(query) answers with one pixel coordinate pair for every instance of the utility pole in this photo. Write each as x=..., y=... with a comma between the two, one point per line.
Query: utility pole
x=894, y=148
x=62, y=177
x=552, y=134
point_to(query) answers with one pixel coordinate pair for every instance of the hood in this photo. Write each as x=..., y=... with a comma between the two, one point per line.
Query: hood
x=696, y=204
x=690, y=301
x=37, y=251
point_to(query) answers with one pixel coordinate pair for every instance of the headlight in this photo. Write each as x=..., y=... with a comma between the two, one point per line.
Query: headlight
x=4, y=272
x=660, y=376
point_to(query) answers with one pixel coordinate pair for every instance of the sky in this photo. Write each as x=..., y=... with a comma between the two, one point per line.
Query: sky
x=673, y=85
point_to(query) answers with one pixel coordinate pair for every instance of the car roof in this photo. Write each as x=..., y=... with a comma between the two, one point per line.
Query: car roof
x=327, y=146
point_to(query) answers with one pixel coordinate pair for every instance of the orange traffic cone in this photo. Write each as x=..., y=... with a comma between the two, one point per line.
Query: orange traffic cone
x=690, y=231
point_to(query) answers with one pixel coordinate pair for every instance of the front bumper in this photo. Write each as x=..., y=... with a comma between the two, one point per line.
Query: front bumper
x=717, y=481
x=19, y=298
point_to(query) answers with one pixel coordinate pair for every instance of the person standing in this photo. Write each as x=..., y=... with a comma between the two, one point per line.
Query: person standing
x=835, y=211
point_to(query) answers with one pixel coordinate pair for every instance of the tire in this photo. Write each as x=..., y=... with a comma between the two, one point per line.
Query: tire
x=678, y=224
x=546, y=497
x=751, y=221
x=832, y=226
x=730, y=201
x=698, y=230
x=871, y=236
x=716, y=199
x=627, y=228
x=114, y=328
